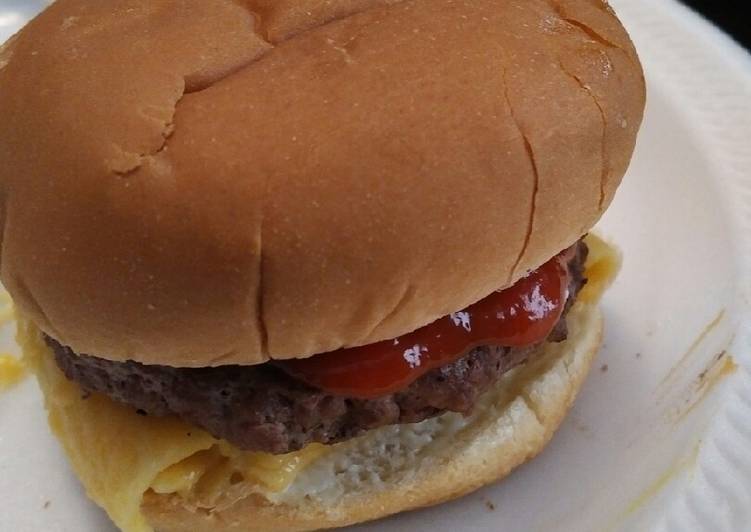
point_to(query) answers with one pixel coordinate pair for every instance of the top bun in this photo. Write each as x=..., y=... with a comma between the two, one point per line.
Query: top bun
x=207, y=182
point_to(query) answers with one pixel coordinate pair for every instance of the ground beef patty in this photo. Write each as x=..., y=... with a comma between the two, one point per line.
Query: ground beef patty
x=261, y=408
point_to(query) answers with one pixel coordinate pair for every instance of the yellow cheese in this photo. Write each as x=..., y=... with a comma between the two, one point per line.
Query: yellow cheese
x=274, y=472
x=119, y=455
x=6, y=307
x=12, y=371
x=181, y=478
x=603, y=264
x=202, y=479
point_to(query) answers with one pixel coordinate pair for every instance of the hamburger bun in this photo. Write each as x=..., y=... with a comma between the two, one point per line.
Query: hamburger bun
x=198, y=183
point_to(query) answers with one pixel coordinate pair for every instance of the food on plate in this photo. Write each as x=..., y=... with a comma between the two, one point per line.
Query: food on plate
x=12, y=371
x=301, y=264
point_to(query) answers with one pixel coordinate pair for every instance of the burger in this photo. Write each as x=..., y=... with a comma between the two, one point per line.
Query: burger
x=296, y=264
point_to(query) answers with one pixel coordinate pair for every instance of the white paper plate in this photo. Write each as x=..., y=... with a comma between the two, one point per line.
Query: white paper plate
x=659, y=441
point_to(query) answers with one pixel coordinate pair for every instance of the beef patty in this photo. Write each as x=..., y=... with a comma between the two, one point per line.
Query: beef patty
x=261, y=408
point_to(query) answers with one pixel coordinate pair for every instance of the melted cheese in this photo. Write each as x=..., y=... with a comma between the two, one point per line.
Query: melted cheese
x=203, y=479
x=6, y=308
x=274, y=472
x=603, y=264
x=181, y=478
x=120, y=455
x=12, y=371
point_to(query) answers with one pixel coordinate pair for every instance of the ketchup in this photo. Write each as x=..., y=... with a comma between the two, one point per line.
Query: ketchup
x=521, y=315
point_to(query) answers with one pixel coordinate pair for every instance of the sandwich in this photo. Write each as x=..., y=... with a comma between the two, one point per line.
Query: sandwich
x=295, y=264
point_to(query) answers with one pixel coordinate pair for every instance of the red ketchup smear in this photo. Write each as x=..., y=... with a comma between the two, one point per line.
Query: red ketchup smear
x=521, y=315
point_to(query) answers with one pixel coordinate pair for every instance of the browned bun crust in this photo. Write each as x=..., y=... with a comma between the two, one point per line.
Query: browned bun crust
x=209, y=182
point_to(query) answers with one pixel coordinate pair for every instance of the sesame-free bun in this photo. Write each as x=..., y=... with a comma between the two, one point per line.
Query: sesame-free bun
x=117, y=454
x=206, y=182
x=414, y=466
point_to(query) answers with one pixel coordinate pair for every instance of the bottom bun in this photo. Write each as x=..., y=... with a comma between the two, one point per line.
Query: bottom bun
x=413, y=466
x=160, y=474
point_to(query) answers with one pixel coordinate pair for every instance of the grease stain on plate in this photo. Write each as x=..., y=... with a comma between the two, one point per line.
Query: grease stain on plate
x=649, y=493
x=678, y=366
x=722, y=366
